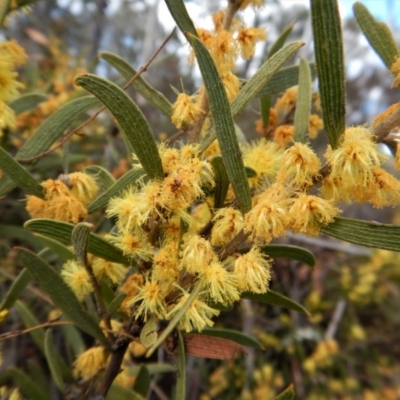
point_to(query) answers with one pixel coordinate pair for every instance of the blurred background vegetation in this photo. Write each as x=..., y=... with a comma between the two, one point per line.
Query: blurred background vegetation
x=350, y=347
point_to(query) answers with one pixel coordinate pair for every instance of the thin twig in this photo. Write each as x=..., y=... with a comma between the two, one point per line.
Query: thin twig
x=70, y=133
x=335, y=320
x=385, y=127
x=49, y=324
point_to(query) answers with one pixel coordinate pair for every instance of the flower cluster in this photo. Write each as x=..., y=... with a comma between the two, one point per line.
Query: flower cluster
x=12, y=55
x=65, y=199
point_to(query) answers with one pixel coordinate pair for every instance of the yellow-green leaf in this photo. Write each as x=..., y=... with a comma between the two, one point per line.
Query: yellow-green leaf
x=80, y=240
x=26, y=102
x=303, y=104
x=291, y=252
x=30, y=321
x=328, y=44
x=142, y=382
x=275, y=298
x=16, y=289
x=102, y=176
x=130, y=118
x=62, y=231
x=377, y=33
x=181, y=17
x=278, y=44
x=234, y=336
x=54, y=360
x=287, y=394
x=223, y=123
x=53, y=128
x=28, y=387
x=221, y=182
x=180, y=393
x=153, y=96
x=19, y=175
x=284, y=79
x=129, y=178
x=61, y=295
x=365, y=233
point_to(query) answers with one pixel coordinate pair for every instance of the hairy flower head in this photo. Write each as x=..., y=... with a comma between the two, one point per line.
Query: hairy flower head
x=395, y=70
x=268, y=218
x=315, y=124
x=353, y=160
x=9, y=86
x=77, y=278
x=185, y=110
x=198, y=316
x=132, y=245
x=384, y=189
x=197, y=253
x=12, y=51
x=219, y=284
x=247, y=38
x=253, y=271
x=151, y=301
x=283, y=134
x=104, y=269
x=264, y=157
x=308, y=213
x=90, y=362
x=82, y=186
x=227, y=223
x=299, y=166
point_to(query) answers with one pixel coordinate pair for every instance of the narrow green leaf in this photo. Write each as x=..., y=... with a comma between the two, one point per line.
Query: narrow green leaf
x=276, y=299
x=181, y=17
x=73, y=340
x=130, y=118
x=287, y=394
x=31, y=321
x=6, y=185
x=4, y=8
x=116, y=303
x=279, y=43
x=221, y=181
x=29, y=388
x=255, y=85
x=265, y=107
x=365, y=233
x=142, y=382
x=17, y=232
x=234, y=336
x=120, y=393
x=250, y=172
x=129, y=178
x=377, y=33
x=291, y=252
x=223, y=123
x=54, y=360
x=328, y=44
x=154, y=97
x=80, y=240
x=63, y=252
x=303, y=104
x=27, y=102
x=61, y=295
x=53, y=128
x=153, y=368
x=103, y=178
x=19, y=175
x=284, y=79
x=175, y=320
x=16, y=289
x=180, y=393
x=62, y=231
